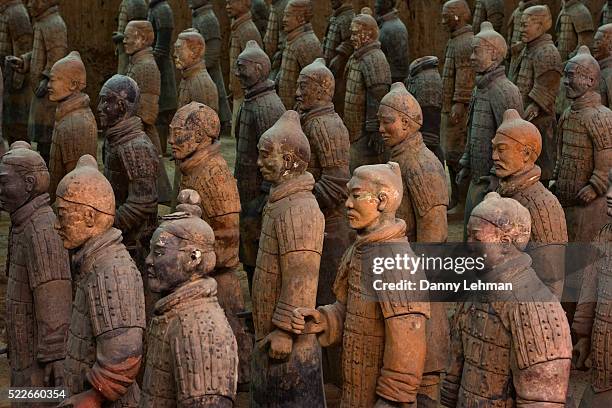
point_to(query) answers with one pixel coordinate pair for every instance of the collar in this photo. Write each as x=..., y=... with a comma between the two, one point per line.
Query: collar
x=112, y=236
x=374, y=45
x=124, y=131
x=72, y=103
x=394, y=231
x=303, y=182
x=411, y=143
x=24, y=213
x=512, y=270
x=197, y=158
x=316, y=112
x=462, y=30
x=588, y=100
x=237, y=22
x=193, y=70
x=392, y=15
x=46, y=13
x=201, y=10
x=298, y=32
x=544, y=38
x=259, y=89
x=153, y=3
x=515, y=183
x=343, y=9
x=140, y=55
x=185, y=294
x=606, y=63
x=484, y=80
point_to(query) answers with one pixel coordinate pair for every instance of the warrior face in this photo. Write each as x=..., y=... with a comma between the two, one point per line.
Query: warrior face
x=15, y=189
x=184, y=57
x=509, y=156
x=60, y=86
x=531, y=28
x=309, y=94
x=602, y=44
x=111, y=108
x=133, y=40
x=236, y=8
x=37, y=7
x=364, y=204
x=274, y=164
x=76, y=223
x=451, y=19
x=394, y=127
x=483, y=56
x=576, y=80
x=292, y=19
x=382, y=7
x=170, y=262
x=182, y=140
x=249, y=73
x=488, y=241
x=360, y=35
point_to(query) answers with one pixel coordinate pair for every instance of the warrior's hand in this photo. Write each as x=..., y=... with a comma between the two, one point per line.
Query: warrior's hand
x=586, y=194
x=383, y=403
x=281, y=344
x=448, y=394
x=532, y=112
x=54, y=374
x=457, y=113
x=117, y=37
x=42, y=88
x=299, y=325
x=87, y=399
x=581, y=354
x=463, y=175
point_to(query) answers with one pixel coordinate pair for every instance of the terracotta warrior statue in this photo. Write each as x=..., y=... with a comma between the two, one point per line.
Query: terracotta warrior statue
x=591, y=324
x=50, y=44
x=288, y=365
x=196, y=84
x=602, y=52
x=522, y=335
x=425, y=84
x=375, y=329
x=194, y=138
x=514, y=36
x=39, y=290
x=75, y=132
x=128, y=10
x=15, y=39
x=458, y=83
x=368, y=78
x=242, y=31
x=337, y=47
x=130, y=165
x=192, y=356
x=104, y=347
x=205, y=21
x=606, y=13
x=491, y=11
x=274, y=39
x=260, y=11
x=493, y=95
x=393, y=37
x=302, y=47
x=538, y=78
x=516, y=147
x=259, y=111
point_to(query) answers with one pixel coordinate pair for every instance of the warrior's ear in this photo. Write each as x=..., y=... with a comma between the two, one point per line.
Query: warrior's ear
x=30, y=183
x=383, y=201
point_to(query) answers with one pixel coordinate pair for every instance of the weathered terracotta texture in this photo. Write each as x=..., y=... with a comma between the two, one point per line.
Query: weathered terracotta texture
x=491, y=11
x=288, y=366
x=606, y=13
x=393, y=39
x=274, y=39
x=525, y=332
x=75, y=132
x=602, y=52
x=538, y=78
x=205, y=21
x=196, y=148
x=493, y=95
x=337, y=47
x=368, y=78
x=301, y=48
x=425, y=84
x=513, y=36
x=196, y=84
x=458, y=83
x=15, y=39
x=260, y=110
x=516, y=146
x=50, y=44
x=192, y=356
x=260, y=11
x=39, y=290
x=128, y=10
x=104, y=347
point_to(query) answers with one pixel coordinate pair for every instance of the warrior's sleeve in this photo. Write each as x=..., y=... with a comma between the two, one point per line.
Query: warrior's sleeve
x=335, y=313
x=541, y=352
x=464, y=73
x=116, y=310
x=547, y=79
x=140, y=163
x=50, y=280
x=330, y=145
x=212, y=53
x=300, y=230
x=148, y=78
x=55, y=39
x=20, y=30
x=599, y=127
x=163, y=22
x=449, y=391
x=377, y=76
x=271, y=38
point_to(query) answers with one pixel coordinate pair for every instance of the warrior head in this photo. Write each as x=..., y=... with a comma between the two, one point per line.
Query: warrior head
x=516, y=145
x=500, y=228
x=364, y=29
x=182, y=247
x=315, y=86
x=189, y=49
x=196, y=4
x=137, y=36
x=535, y=22
x=375, y=193
x=284, y=151
x=382, y=7
x=237, y=8
x=297, y=13
x=194, y=127
x=602, y=43
x=37, y=7
x=118, y=101
x=423, y=64
x=67, y=77
x=581, y=74
x=399, y=114
x=23, y=176
x=456, y=14
x=85, y=204
x=252, y=65
x=489, y=49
